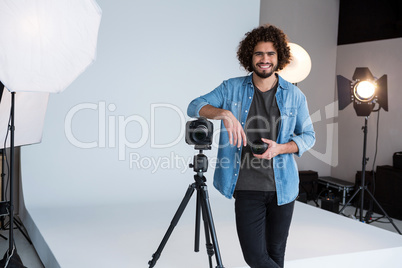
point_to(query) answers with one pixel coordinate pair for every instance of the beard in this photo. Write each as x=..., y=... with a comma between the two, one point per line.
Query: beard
x=265, y=74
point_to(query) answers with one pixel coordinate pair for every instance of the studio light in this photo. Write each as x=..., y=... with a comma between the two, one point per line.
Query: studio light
x=44, y=46
x=364, y=91
x=299, y=67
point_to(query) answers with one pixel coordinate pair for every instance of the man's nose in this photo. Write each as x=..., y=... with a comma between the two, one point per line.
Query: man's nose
x=265, y=56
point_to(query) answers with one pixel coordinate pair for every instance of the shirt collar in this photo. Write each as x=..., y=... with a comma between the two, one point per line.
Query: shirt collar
x=281, y=82
x=249, y=79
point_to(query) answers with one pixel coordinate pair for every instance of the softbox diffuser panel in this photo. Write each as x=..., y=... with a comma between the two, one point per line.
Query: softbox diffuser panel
x=30, y=109
x=46, y=44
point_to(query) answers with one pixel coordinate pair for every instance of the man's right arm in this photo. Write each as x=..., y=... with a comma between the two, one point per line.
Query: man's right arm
x=235, y=131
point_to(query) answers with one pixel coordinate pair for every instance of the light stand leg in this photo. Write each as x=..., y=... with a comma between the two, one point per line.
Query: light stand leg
x=350, y=200
x=5, y=205
x=383, y=211
x=363, y=186
x=20, y=226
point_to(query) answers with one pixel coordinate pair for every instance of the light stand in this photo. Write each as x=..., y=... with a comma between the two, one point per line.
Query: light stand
x=35, y=57
x=363, y=187
x=11, y=258
x=3, y=203
x=365, y=91
x=200, y=165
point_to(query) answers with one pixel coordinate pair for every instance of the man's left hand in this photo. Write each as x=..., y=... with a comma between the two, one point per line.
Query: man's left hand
x=272, y=151
x=275, y=149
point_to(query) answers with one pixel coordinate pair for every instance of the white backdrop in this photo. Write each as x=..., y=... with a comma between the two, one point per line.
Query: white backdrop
x=117, y=133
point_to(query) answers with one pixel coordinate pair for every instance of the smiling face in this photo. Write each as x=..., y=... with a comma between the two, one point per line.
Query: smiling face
x=265, y=59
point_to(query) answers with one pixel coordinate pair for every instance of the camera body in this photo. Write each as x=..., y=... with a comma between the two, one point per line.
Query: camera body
x=199, y=133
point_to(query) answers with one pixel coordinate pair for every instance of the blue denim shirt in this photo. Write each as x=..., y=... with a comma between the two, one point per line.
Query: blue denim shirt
x=236, y=95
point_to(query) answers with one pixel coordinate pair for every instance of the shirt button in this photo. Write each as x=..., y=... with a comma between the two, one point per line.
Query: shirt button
x=249, y=97
x=246, y=111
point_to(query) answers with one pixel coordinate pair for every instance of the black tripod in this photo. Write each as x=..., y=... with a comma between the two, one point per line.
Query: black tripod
x=363, y=186
x=200, y=165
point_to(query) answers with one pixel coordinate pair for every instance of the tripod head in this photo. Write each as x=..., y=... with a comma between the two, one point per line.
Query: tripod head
x=200, y=163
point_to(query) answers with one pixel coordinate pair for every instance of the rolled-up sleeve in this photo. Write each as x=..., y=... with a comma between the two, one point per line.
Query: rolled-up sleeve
x=304, y=132
x=214, y=98
x=193, y=109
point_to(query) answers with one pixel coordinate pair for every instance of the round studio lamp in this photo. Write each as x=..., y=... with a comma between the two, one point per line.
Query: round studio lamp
x=299, y=67
x=364, y=91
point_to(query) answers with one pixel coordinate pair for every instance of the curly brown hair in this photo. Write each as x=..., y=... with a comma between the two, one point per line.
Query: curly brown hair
x=265, y=33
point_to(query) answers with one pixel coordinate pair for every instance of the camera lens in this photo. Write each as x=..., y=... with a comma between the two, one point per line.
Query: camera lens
x=200, y=134
x=258, y=147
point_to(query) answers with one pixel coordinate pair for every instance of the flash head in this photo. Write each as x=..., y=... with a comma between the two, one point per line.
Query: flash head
x=199, y=133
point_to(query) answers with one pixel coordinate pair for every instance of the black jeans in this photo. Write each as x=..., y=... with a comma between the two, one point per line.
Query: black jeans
x=262, y=227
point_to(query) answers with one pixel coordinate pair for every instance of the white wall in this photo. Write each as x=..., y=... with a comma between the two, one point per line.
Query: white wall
x=313, y=24
x=381, y=57
x=149, y=53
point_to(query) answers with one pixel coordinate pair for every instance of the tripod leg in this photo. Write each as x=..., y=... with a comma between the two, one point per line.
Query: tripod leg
x=383, y=211
x=197, y=222
x=211, y=227
x=209, y=245
x=350, y=200
x=173, y=224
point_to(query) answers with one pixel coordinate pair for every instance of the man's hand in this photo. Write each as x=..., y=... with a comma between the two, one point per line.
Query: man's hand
x=235, y=130
x=237, y=136
x=275, y=149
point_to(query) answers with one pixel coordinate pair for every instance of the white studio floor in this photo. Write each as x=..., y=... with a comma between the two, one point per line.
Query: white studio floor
x=127, y=236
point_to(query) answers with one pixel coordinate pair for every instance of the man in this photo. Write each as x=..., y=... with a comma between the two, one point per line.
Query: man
x=260, y=107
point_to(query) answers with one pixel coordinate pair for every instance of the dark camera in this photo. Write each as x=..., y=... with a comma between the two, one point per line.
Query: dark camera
x=258, y=147
x=199, y=132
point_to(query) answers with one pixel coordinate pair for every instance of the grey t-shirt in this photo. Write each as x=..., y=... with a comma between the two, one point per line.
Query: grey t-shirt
x=262, y=122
